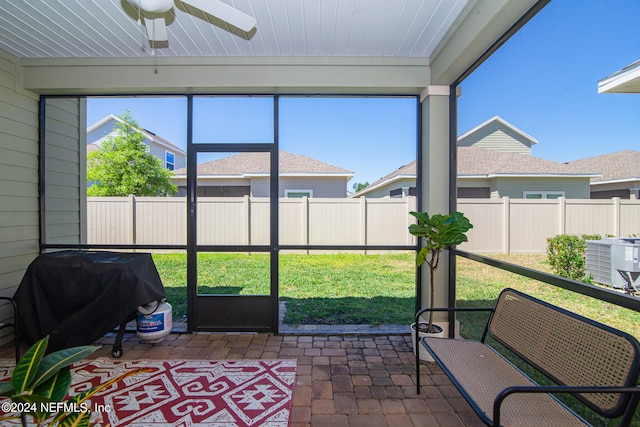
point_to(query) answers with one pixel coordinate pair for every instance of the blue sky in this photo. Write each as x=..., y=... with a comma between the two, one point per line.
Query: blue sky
x=543, y=81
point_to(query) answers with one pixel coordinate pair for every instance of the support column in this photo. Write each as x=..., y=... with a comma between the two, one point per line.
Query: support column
x=435, y=181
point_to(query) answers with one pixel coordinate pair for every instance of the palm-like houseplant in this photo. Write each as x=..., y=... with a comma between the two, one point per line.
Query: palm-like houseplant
x=439, y=232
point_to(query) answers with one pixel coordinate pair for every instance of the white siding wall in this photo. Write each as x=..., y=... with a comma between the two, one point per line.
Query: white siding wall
x=574, y=188
x=495, y=136
x=18, y=179
x=385, y=190
x=65, y=170
x=100, y=132
x=322, y=187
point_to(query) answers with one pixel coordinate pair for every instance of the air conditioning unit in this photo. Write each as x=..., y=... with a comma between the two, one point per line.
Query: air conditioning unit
x=615, y=262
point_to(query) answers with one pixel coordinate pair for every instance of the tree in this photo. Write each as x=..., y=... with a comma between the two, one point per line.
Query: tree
x=124, y=166
x=360, y=186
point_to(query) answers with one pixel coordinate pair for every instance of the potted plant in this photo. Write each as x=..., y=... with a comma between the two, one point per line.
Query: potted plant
x=40, y=381
x=438, y=232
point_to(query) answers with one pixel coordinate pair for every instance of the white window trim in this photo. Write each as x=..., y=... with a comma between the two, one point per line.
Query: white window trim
x=544, y=194
x=286, y=192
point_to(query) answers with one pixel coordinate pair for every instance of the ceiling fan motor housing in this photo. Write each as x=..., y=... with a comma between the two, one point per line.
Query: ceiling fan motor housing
x=153, y=6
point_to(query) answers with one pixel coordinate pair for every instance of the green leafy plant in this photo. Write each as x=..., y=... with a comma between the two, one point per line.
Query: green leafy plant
x=566, y=255
x=41, y=381
x=124, y=166
x=439, y=232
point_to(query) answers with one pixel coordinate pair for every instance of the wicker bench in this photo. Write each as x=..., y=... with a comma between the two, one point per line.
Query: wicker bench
x=597, y=364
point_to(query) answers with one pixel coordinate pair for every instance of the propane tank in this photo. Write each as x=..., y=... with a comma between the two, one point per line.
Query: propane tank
x=154, y=321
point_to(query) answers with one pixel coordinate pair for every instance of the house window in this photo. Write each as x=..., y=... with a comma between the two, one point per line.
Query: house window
x=543, y=194
x=474, y=192
x=170, y=160
x=403, y=192
x=298, y=194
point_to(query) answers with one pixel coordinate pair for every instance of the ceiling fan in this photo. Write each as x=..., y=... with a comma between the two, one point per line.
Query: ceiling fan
x=152, y=13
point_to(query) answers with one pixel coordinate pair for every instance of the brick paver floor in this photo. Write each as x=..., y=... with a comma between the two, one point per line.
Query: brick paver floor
x=341, y=380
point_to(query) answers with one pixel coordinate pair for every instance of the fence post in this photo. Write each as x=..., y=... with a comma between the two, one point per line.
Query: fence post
x=506, y=226
x=132, y=218
x=616, y=216
x=413, y=207
x=562, y=212
x=305, y=221
x=247, y=217
x=363, y=221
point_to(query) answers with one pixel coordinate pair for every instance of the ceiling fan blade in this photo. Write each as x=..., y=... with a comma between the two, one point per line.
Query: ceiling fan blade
x=156, y=29
x=225, y=12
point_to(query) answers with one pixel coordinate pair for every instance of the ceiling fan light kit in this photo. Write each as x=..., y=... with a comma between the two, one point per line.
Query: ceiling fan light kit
x=152, y=6
x=150, y=12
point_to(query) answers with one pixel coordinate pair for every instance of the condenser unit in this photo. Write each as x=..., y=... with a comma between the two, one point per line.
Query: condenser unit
x=615, y=262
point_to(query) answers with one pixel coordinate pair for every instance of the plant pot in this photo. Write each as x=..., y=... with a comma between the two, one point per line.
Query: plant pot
x=422, y=326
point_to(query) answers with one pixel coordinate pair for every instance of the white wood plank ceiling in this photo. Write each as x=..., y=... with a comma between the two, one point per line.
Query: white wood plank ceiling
x=108, y=29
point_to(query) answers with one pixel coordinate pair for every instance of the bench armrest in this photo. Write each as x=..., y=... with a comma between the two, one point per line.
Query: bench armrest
x=497, y=403
x=450, y=309
x=455, y=309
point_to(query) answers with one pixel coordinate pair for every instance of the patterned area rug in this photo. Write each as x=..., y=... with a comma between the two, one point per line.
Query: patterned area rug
x=188, y=392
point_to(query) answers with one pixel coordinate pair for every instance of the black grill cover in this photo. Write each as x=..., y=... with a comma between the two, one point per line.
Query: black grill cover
x=77, y=297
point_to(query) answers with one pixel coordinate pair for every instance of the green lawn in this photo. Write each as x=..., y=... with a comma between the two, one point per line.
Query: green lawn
x=319, y=289
x=367, y=289
x=375, y=289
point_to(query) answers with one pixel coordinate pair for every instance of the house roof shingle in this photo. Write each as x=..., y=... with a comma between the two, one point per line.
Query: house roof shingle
x=621, y=165
x=481, y=162
x=258, y=163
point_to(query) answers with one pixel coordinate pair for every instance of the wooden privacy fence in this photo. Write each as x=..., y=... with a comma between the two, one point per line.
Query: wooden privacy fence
x=500, y=225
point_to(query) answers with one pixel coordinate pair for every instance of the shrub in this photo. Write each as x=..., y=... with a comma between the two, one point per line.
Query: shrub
x=566, y=255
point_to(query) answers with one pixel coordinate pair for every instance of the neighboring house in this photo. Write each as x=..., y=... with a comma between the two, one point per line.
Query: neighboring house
x=626, y=80
x=497, y=134
x=484, y=173
x=489, y=173
x=247, y=174
x=494, y=160
x=620, y=174
x=172, y=156
x=621, y=170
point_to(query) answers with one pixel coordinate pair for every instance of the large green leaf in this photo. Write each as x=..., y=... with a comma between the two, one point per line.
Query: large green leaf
x=422, y=256
x=439, y=232
x=51, y=363
x=6, y=389
x=57, y=386
x=26, y=369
